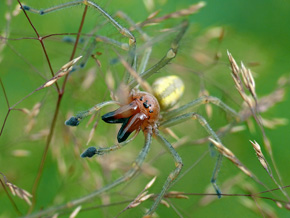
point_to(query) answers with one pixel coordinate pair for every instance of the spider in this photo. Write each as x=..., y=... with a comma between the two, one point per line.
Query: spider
x=142, y=110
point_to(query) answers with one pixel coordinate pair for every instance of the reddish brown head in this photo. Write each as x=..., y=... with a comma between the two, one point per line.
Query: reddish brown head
x=139, y=114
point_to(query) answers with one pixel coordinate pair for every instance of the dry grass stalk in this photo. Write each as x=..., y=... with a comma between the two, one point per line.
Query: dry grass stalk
x=248, y=83
x=287, y=206
x=177, y=14
x=228, y=154
x=265, y=209
x=39, y=135
x=89, y=79
x=21, y=193
x=153, y=14
x=274, y=122
x=110, y=81
x=75, y=212
x=249, y=80
x=149, y=4
x=32, y=117
x=176, y=194
x=264, y=103
x=165, y=203
x=201, y=58
x=64, y=70
x=143, y=196
x=261, y=157
x=55, y=215
x=265, y=165
x=93, y=130
x=20, y=153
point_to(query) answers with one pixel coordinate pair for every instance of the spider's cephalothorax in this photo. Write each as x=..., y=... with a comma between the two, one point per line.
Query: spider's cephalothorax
x=141, y=112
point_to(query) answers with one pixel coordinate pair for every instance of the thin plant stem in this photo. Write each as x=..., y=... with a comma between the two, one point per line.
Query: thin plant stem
x=52, y=127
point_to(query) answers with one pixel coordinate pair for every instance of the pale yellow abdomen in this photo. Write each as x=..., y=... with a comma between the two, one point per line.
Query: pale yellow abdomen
x=168, y=90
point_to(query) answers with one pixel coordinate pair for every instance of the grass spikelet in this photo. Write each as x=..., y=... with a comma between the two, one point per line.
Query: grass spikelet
x=176, y=194
x=64, y=70
x=251, y=100
x=75, y=212
x=177, y=14
x=32, y=117
x=143, y=196
x=230, y=155
x=261, y=157
x=15, y=190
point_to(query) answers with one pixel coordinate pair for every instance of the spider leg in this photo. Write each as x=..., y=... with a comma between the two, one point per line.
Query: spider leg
x=128, y=175
x=122, y=30
x=173, y=175
x=171, y=53
x=199, y=101
x=184, y=117
x=75, y=120
x=90, y=47
x=145, y=37
x=119, y=27
x=91, y=151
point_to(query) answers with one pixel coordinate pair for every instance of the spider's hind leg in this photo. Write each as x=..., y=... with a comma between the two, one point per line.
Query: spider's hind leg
x=184, y=117
x=173, y=175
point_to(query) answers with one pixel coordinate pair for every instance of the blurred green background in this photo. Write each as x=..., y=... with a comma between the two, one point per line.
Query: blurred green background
x=255, y=32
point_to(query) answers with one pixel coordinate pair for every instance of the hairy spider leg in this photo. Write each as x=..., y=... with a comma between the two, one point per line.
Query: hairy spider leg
x=127, y=176
x=200, y=101
x=184, y=117
x=144, y=36
x=171, y=53
x=195, y=103
x=122, y=30
x=76, y=120
x=172, y=176
x=91, y=151
x=205, y=100
x=89, y=49
x=124, y=46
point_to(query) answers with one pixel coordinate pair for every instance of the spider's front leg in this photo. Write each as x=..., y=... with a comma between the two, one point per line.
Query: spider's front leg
x=127, y=176
x=135, y=166
x=91, y=151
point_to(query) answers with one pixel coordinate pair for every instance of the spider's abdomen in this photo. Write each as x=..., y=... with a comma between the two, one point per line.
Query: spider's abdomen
x=168, y=90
